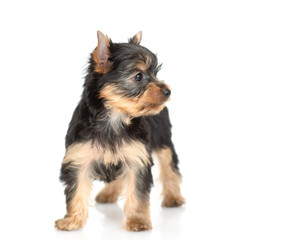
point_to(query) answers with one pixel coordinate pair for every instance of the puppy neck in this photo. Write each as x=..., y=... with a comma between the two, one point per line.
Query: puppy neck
x=117, y=120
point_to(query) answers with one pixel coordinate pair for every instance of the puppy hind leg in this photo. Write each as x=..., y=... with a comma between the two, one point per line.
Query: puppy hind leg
x=110, y=192
x=170, y=177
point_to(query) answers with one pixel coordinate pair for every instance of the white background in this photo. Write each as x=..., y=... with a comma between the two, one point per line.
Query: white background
x=223, y=62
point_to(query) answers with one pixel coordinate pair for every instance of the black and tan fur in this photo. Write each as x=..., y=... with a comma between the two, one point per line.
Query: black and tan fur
x=120, y=120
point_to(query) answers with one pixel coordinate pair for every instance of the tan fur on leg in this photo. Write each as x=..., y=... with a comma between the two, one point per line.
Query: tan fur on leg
x=77, y=208
x=111, y=192
x=80, y=157
x=170, y=180
x=137, y=211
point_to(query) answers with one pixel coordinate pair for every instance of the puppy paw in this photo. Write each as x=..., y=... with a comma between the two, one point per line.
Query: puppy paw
x=69, y=223
x=106, y=198
x=137, y=225
x=173, y=201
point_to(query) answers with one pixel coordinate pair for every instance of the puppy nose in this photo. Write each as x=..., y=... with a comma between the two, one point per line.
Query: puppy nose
x=166, y=92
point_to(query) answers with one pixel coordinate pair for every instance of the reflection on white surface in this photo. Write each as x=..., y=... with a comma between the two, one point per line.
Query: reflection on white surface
x=166, y=223
x=106, y=222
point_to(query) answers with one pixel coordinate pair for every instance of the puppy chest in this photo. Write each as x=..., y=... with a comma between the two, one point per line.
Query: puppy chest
x=132, y=153
x=113, y=162
x=107, y=172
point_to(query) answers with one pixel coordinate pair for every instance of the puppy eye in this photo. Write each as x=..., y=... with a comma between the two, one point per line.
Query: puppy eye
x=138, y=77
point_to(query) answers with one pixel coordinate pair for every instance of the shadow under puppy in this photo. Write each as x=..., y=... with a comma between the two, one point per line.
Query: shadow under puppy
x=120, y=120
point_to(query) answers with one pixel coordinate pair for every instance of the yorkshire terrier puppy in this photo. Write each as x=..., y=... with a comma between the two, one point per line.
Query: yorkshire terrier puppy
x=120, y=120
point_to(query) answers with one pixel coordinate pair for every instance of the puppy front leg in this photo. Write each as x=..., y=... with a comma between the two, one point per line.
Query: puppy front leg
x=76, y=174
x=137, y=205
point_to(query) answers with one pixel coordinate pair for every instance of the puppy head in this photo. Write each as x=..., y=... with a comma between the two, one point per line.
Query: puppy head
x=128, y=77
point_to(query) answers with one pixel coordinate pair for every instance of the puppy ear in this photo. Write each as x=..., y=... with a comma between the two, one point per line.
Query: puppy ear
x=137, y=38
x=102, y=53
